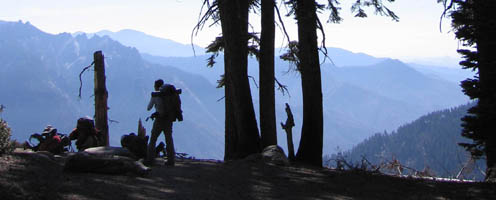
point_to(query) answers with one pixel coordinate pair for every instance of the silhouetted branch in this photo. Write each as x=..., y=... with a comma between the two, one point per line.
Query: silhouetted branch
x=282, y=23
x=323, y=48
x=281, y=87
x=446, y=8
x=80, y=80
x=254, y=81
x=211, y=13
x=221, y=98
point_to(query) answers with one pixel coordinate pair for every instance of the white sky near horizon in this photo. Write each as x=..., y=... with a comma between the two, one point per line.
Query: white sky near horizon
x=415, y=38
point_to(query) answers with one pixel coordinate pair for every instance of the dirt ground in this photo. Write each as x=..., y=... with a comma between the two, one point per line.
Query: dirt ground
x=31, y=176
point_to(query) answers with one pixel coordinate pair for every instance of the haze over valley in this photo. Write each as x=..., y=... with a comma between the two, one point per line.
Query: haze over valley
x=362, y=94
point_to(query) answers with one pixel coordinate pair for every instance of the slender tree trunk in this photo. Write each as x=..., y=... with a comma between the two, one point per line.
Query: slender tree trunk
x=311, y=143
x=101, y=95
x=268, y=129
x=234, y=22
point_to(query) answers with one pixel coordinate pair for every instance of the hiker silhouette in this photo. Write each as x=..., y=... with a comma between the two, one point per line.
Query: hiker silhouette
x=167, y=104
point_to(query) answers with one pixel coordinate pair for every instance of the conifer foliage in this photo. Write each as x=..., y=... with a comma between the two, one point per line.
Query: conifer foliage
x=5, y=144
x=474, y=23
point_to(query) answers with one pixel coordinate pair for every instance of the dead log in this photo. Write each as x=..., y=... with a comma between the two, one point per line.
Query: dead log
x=104, y=163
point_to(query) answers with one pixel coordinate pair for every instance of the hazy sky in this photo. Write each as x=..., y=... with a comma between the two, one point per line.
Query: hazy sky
x=416, y=37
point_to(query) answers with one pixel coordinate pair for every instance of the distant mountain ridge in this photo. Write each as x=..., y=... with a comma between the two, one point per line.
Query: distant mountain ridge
x=150, y=44
x=453, y=74
x=356, y=104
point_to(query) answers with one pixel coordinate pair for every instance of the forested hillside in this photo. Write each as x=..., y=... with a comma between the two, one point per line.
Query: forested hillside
x=428, y=142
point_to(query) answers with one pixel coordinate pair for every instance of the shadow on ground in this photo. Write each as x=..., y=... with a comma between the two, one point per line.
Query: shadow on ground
x=26, y=176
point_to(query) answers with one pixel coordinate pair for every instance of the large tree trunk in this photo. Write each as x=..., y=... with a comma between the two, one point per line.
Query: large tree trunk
x=234, y=22
x=486, y=18
x=231, y=137
x=311, y=143
x=267, y=97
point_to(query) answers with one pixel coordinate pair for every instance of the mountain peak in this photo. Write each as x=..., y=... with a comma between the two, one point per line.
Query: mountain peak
x=394, y=65
x=391, y=61
x=151, y=44
x=26, y=27
x=131, y=31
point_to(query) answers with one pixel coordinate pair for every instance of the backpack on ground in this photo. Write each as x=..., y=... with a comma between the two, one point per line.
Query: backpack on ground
x=172, y=102
x=86, y=135
x=50, y=140
x=135, y=144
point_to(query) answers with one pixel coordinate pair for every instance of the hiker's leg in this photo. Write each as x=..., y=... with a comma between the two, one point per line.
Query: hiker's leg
x=171, y=154
x=150, y=156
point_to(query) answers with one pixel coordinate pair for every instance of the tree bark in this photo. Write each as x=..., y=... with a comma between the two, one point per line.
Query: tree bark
x=311, y=143
x=231, y=134
x=268, y=129
x=101, y=95
x=234, y=22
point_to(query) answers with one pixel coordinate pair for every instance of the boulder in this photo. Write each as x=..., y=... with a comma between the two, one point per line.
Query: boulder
x=274, y=154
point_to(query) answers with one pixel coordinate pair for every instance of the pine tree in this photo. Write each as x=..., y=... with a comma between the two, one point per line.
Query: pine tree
x=306, y=57
x=241, y=131
x=268, y=129
x=474, y=23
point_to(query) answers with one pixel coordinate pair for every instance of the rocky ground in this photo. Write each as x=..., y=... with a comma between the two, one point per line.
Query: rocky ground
x=38, y=176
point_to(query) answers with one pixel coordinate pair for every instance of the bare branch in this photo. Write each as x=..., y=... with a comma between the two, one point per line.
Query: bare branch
x=446, y=8
x=221, y=98
x=254, y=81
x=210, y=13
x=323, y=48
x=282, y=23
x=281, y=87
x=80, y=80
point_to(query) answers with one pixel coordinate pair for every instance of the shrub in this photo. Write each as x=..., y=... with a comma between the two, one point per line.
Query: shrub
x=5, y=144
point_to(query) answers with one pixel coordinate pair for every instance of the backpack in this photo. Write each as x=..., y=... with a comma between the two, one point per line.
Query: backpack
x=55, y=144
x=172, y=102
x=85, y=129
x=137, y=145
